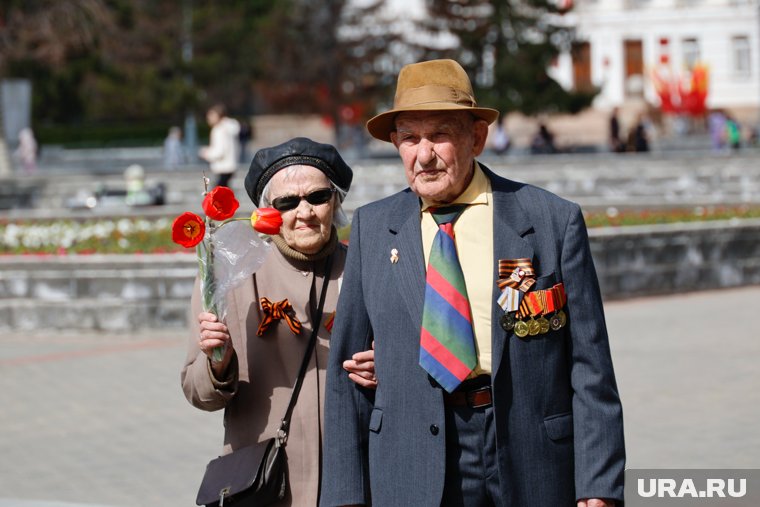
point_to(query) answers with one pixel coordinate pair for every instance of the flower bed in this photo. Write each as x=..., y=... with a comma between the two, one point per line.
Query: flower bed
x=151, y=235
x=61, y=237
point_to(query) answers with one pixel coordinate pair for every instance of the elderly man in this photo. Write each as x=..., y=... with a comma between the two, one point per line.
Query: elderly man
x=495, y=382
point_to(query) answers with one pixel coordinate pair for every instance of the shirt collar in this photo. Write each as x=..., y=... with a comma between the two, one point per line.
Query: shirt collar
x=475, y=193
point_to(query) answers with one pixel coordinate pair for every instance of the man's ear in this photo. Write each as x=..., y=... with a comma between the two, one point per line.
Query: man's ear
x=479, y=136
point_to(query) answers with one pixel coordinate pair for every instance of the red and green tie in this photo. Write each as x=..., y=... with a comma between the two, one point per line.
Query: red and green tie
x=447, y=343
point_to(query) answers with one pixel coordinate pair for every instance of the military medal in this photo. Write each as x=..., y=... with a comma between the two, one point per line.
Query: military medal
x=550, y=307
x=536, y=309
x=557, y=295
x=509, y=301
x=544, y=325
x=533, y=327
x=528, y=313
x=555, y=322
x=508, y=321
x=562, y=318
x=516, y=273
x=543, y=302
x=510, y=278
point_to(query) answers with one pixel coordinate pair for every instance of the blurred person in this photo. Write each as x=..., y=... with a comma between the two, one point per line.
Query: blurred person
x=26, y=152
x=616, y=144
x=754, y=137
x=543, y=141
x=638, y=138
x=501, y=141
x=716, y=124
x=307, y=182
x=173, y=152
x=245, y=136
x=223, y=150
x=733, y=133
x=469, y=410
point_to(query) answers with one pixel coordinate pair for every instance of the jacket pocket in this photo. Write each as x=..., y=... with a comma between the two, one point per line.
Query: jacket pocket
x=376, y=420
x=545, y=282
x=559, y=426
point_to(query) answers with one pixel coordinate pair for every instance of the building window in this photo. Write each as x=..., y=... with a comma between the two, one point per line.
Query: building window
x=741, y=58
x=690, y=49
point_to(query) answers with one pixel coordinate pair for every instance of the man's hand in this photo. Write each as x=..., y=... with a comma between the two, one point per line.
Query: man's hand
x=361, y=368
x=595, y=502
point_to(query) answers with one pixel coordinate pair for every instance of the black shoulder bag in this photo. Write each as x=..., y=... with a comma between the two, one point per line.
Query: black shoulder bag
x=256, y=475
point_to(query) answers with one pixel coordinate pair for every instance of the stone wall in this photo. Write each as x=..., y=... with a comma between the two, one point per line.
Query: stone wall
x=673, y=258
x=130, y=293
x=96, y=292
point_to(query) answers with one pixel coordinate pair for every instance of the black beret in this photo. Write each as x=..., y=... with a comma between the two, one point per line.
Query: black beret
x=298, y=151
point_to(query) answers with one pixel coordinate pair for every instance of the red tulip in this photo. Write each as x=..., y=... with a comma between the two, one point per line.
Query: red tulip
x=220, y=204
x=188, y=229
x=266, y=220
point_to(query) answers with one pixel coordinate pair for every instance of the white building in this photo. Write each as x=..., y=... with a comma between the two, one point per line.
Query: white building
x=623, y=41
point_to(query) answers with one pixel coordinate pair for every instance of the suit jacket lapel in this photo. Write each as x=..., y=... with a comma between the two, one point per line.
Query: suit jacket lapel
x=406, y=237
x=510, y=226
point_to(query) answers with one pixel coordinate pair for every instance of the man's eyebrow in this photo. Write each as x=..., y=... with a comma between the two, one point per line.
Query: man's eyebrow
x=447, y=126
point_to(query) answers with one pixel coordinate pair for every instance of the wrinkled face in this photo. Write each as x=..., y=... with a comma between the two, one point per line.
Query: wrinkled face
x=438, y=149
x=307, y=227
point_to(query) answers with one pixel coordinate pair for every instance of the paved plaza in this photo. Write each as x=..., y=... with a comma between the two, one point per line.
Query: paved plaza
x=101, y=420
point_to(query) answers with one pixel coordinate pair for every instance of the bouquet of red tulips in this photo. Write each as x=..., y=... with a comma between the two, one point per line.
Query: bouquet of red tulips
x=226, y=254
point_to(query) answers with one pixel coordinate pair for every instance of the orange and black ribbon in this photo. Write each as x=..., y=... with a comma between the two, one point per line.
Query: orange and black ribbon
x=559, y=296
x=542, y=302
x=517, y=274
x=276, y=311
x=551, y=301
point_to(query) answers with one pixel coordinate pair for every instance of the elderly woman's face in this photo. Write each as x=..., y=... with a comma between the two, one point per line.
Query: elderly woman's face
x=307, y=227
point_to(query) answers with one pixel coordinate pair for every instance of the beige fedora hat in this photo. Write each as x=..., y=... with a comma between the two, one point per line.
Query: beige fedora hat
x=435, y=85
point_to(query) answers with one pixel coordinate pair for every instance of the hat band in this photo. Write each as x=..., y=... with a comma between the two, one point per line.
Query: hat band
x=433, y=94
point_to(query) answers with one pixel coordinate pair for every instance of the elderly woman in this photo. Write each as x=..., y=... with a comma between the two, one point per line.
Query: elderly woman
x=306, y=181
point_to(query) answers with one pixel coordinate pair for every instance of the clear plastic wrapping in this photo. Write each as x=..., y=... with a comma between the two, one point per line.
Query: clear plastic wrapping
x=237, y=252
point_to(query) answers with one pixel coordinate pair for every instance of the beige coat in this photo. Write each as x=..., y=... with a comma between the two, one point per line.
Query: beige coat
x=256, y=393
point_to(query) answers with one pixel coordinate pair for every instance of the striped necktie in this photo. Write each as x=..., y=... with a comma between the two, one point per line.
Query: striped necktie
x=447, y=343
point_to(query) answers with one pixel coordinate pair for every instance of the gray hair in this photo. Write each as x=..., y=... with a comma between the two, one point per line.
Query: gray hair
x=340, y=219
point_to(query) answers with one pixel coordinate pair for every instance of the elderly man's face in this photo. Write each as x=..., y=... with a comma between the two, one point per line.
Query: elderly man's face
x=438, y=149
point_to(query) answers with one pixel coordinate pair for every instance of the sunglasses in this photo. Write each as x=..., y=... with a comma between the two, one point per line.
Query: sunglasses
x=289, y=202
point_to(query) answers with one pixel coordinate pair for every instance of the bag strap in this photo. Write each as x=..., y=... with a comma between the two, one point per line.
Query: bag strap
x=282, y=433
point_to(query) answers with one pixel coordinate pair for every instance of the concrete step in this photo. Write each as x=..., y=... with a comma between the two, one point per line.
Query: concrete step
x=673, y=179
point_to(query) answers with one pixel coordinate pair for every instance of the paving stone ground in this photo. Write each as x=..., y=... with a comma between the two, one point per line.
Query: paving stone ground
x=100, y=420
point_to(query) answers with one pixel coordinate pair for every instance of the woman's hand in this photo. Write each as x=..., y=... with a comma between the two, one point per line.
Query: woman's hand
x=361, y=368
x=215, y=334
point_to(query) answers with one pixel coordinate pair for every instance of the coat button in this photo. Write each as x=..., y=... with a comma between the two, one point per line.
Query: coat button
x=434, y=429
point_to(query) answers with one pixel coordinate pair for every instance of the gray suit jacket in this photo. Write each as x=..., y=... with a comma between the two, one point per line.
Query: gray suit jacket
x=559, y=424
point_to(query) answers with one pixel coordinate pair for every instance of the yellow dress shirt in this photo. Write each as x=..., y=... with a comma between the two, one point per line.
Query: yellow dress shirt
x=473, y=232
